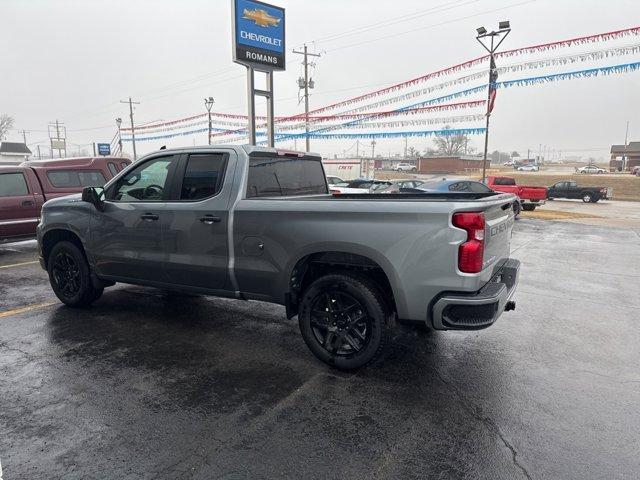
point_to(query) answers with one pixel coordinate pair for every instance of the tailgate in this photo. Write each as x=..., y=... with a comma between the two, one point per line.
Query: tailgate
x=499, y=219
x=533, y=193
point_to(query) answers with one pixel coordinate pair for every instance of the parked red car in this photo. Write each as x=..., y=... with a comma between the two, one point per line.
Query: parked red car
x=25, y=188
x=530, y=197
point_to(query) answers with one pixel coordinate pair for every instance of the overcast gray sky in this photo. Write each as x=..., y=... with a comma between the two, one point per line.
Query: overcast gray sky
x=74, y=61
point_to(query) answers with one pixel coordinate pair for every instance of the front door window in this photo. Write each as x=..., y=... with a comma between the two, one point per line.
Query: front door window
x=147, y=183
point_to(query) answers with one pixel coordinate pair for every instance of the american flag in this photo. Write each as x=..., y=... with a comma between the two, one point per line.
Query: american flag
x=493, y=78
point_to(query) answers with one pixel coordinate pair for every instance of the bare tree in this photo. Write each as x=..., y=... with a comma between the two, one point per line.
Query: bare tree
x=450, y=145
x=412, y=152
x=6, y=124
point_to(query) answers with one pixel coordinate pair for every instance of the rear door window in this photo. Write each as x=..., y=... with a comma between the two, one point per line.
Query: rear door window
x=13, y=185
x=76, y=178
x=203, y=176
x=112, y=168
x=285, y=176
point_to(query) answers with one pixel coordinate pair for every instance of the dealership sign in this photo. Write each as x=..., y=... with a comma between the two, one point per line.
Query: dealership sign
x=104, y=149
x=258, y=35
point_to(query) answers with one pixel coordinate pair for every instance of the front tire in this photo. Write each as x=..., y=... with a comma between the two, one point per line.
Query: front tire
x=587, y=197
x=528, y=207
x=344, y=321
x=70, y=277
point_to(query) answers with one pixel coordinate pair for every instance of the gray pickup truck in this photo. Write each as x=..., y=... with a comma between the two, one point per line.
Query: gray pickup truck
x=258, y=223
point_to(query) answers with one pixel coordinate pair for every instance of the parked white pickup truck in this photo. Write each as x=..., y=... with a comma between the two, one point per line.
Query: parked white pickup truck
x=258, y=223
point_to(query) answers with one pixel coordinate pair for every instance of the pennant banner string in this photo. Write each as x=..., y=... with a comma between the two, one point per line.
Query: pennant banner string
x=600, y=37
x=592, y=72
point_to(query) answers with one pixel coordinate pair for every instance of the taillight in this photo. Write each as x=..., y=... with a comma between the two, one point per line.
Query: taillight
x=471, y=252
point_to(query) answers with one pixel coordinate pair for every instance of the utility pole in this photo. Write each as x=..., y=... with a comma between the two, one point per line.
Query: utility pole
x=39, y=156
x=208, y=103
x=357, y=148
x=306, y=84
x=624, y=156
x=56, y=142
x=133, y=132
x=406, y=139
x=58, y=137
x=24, y=136
x=118, y=124
x=94, y=148
x=504, y=27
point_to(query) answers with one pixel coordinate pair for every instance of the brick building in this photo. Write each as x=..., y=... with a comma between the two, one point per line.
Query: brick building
x=632, y=152
x=450, y=164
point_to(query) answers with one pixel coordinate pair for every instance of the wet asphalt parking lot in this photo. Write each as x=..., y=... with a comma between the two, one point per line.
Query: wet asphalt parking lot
x=146, y=385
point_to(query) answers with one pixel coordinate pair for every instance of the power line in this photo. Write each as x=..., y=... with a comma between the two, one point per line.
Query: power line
x=430, y=26
x=395, y=21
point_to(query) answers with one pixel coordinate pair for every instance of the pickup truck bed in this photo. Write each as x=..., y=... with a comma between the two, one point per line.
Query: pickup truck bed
x=266, y=229
x=530, y=197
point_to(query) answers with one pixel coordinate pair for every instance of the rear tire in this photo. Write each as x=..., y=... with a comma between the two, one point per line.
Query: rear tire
x=70, y=277
x=344, y=321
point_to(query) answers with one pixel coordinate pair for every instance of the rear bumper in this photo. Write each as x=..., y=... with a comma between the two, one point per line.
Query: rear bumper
x=464, y=311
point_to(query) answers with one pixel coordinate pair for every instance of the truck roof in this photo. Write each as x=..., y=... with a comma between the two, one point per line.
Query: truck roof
x=248, y=149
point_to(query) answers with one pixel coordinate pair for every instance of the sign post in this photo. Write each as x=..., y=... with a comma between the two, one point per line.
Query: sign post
x=104, y=149
x=259, y=44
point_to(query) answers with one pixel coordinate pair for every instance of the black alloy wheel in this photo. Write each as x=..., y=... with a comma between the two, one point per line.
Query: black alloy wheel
x=340, y=323
x=66, y=274
x=345, y=320
x=70, y=276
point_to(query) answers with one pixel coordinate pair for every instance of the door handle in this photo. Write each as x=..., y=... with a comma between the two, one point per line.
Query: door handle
x=210, y=219
x=149, y=216
x=28, y=203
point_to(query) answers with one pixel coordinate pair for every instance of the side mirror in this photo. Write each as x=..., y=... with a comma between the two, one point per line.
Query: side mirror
x=94, y=196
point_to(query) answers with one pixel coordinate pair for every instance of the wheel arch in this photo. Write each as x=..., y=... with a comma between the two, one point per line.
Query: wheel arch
x=313, y=262
x=59, y=234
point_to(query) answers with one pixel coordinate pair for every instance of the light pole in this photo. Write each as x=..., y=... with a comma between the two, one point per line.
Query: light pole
x=503, y=30
x=373, y=158
x=208, y=103
x=118, y=124
x=626, y=139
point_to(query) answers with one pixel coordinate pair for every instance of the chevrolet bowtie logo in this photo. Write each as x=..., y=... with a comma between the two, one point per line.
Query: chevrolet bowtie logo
x=261, y=17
